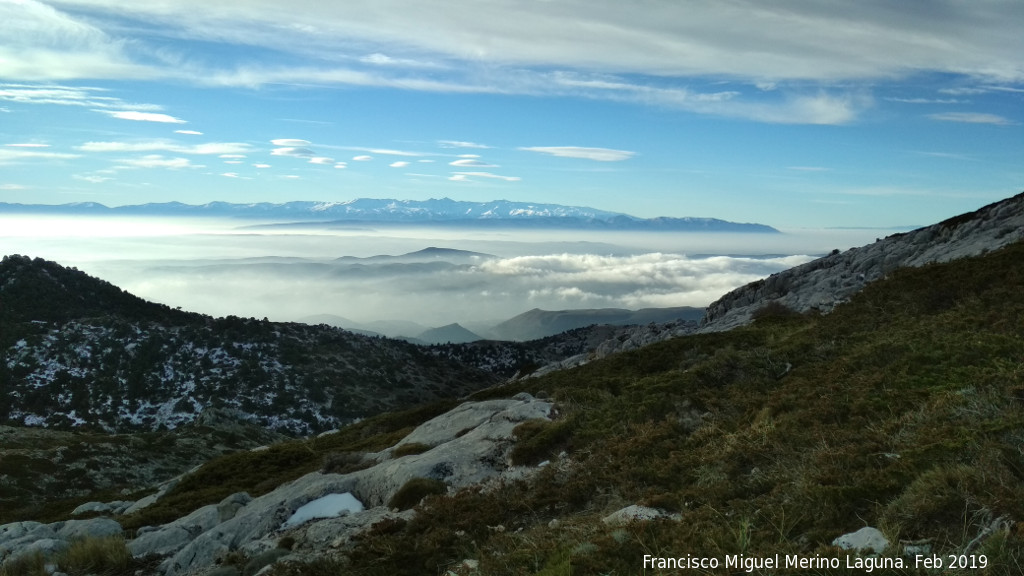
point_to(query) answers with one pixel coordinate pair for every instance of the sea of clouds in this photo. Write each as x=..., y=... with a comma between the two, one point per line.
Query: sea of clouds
x=221, y=268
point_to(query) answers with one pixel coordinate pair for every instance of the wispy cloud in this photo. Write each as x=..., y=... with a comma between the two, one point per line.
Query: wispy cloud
x=362, y=158
x=471, y=163
x=143, y=116
x=468, y=177
x=776, y=57
x=217, y=148
x=189, y=132
x=85, y=96
x=460, y=144
x=293, y=151
x=597, y=154
x=290, y=142
x=18, y=155
x=399, y=164
x=321, y=160
x=157, y=161
x=973, y=118
x=925, y=100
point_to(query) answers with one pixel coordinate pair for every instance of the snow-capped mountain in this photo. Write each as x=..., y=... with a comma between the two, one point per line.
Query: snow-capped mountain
x=443, y=211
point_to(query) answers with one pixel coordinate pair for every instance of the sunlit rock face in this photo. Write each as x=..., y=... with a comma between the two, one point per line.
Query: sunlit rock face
x=826, y=282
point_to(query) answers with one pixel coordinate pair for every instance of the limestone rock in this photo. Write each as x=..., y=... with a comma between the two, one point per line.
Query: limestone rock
x=826, y=282
x=92, y=528
x=471, y=444
x=867, y=540
x=636, y=513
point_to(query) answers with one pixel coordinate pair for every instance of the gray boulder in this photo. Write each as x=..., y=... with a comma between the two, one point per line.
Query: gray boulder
x=174, y=536
x=636, y=513
x=470, y=444
x=867, y=540
x=92, y=528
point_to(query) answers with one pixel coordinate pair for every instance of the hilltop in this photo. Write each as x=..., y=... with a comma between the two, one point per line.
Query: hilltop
x=78, y=351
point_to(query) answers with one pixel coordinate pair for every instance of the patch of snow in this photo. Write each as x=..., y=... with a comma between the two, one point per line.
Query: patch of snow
x=326, y=507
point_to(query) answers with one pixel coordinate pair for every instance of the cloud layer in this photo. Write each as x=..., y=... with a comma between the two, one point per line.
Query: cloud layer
x=787, y=61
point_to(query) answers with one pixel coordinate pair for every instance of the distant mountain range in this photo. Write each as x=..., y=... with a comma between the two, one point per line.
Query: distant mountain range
x=443, y=212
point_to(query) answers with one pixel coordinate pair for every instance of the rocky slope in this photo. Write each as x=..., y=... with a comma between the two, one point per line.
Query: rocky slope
x=470, y=445
x=75, y=351
x=826, y=282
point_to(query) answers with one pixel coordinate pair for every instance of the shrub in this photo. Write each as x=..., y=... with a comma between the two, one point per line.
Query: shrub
x=25, y=565
x=107, y=555
x=344, y=462
x=416, y=489
x=537, y=439
x=774, y=310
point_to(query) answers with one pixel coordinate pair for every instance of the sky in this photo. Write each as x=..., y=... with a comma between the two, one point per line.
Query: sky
x=796, y=113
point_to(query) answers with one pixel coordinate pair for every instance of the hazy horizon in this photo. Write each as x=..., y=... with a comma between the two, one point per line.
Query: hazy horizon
x=224, y=267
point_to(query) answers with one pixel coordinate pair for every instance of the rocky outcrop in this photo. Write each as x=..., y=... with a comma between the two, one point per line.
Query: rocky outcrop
x=469, y=445
x=826, y=282
x=24, y=538
x=622, y=339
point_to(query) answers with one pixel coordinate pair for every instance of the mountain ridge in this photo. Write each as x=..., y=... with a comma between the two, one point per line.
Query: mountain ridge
x=443, y=211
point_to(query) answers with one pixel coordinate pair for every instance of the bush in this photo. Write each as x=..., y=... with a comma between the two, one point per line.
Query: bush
x=416, y=489
x=538, y=439
x=108, y=555
x=25, y=565
x=344, y=462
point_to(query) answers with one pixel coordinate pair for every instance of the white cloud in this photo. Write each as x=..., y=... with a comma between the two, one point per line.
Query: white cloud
x=783, y=51
x=84, y=96
x=12, y=187
x=92, y=178
x=321, y=160
x=189, y=132
x=399, y=164
x=598, y=154
x=166, y=146
x=261, y=165
x=18, y=155
x=460, y=144
x=471, y=163
x=233, y=156
x=157, y=161
x=972, y=118
x=466, y=176
x=390, y=152
x=42, y=43
x=28, y=145
x=293, y=151
x=143, y=116
x=290, y=142
x=363, y=158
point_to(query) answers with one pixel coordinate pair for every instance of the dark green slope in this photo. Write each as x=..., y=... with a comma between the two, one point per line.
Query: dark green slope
x=903, y=410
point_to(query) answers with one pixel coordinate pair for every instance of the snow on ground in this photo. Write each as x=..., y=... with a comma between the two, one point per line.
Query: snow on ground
x=326, y=507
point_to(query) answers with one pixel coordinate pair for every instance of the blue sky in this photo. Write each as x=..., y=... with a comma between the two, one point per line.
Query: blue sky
x=794, y=113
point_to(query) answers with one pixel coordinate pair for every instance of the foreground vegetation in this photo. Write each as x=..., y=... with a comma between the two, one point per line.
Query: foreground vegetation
x=903, y=410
